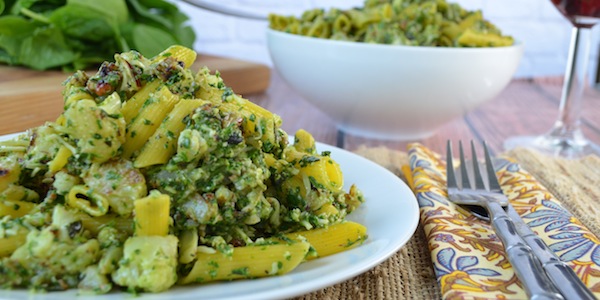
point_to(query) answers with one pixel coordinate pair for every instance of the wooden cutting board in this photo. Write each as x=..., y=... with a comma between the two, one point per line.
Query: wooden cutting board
x=29, y=98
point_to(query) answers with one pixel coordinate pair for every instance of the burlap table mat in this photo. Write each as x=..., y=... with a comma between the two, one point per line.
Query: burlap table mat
x=408, y=274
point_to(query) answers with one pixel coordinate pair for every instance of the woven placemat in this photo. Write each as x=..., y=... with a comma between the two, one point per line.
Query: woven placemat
x=408, y=274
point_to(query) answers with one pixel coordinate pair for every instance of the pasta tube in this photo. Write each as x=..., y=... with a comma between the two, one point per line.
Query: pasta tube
x=152, y=214
x=163, y=143
x=304, y=141
x=15, y=209
x=247, y=262
x=471, y=38
x=180, y=53
x=132, y=107
x=333, y=239
x=148, y=120
x=9, y=244
x=322, y=170
x=60, y=160
x=84, y=199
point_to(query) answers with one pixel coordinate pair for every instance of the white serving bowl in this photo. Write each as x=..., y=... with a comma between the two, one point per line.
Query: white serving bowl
x=388, y=91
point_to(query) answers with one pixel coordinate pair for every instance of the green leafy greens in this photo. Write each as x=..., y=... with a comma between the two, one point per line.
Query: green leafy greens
x=75, y=34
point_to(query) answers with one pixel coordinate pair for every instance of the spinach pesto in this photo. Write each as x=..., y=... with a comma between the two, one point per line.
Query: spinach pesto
x=155, y=176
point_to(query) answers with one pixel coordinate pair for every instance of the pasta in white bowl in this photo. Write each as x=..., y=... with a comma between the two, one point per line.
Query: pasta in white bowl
x=393, y=69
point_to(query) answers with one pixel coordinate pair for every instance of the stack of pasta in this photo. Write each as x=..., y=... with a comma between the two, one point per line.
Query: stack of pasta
x=155, y=176
x=434, y=23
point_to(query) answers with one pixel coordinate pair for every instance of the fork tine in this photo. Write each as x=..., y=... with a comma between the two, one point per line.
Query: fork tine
x=476, y=171
x=466, y=184
x=492, y=179
x=450, y=176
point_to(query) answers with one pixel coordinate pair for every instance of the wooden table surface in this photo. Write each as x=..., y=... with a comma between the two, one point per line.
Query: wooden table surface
x=525, y=107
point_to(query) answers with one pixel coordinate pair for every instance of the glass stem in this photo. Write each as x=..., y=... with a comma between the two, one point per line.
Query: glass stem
x=568, y=125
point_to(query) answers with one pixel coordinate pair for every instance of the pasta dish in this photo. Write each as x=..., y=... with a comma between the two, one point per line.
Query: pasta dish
x=434, y=23
x=155, y=176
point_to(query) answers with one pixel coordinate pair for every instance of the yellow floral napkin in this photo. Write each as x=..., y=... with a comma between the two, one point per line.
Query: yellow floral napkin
x=468, y=258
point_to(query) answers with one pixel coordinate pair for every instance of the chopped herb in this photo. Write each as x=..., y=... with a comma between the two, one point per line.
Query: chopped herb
x=243, y=271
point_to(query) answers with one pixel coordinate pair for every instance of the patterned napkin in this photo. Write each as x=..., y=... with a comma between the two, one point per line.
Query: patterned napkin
x=469, y=260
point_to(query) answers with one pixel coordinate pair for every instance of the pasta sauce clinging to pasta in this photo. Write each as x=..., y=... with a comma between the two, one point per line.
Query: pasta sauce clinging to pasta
x=155, y=176
x=433, y=23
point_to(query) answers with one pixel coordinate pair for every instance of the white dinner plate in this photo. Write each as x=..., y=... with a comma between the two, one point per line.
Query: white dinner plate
x=390, y=213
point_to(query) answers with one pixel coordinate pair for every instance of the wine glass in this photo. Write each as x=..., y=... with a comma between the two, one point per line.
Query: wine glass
x=566, y=139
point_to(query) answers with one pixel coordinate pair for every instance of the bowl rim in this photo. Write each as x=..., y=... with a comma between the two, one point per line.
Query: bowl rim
x=329, y=42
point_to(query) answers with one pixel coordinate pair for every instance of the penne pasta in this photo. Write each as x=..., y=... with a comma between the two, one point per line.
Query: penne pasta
x=132, y=107
x=417, y=23
x=321, y=170
x=163, y=143
x=180, y=53
x=9, y=244
x=145, y=124
x=15, y=208
x=152, y=214
x=247, y=262
x=60, y=160
x=333, y=239
x=83, y=198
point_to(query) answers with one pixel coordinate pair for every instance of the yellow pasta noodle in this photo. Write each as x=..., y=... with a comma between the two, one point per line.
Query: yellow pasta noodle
x=472, y=38
x=163, y=143
x=258, y=122
x=183, y=54
x=247, y=262
x=84, y=199
x=15, y=209
x=9, y=244
x=145, y=124
x=304, y=141
x=132, y=107
x=435, y=23
x=322, y=169
x=152, y=214
x=60, y=160
x=333, y=239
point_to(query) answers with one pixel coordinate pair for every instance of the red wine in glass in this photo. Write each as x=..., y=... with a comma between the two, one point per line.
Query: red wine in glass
x=582, y=13
x=566, y=138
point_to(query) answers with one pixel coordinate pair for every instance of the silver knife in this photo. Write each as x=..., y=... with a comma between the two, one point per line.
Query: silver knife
x=563, y=276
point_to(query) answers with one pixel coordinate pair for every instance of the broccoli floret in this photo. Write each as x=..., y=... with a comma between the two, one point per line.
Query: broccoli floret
x=149, y=263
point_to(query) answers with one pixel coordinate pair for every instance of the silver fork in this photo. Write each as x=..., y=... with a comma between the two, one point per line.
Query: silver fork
x=564, y=277
x=527, y=267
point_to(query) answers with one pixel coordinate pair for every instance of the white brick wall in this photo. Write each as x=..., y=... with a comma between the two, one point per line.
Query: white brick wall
x=544, y=32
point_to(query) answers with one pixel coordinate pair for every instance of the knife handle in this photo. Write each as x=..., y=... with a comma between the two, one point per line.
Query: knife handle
x=559, y=272
x=528, y=268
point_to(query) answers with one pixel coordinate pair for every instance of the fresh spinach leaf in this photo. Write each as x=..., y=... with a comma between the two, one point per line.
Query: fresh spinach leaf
x=151, y=40
x=79, y=22
x=69, y=34
x=46, y=48
x=13, y=30
x=114, y=8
